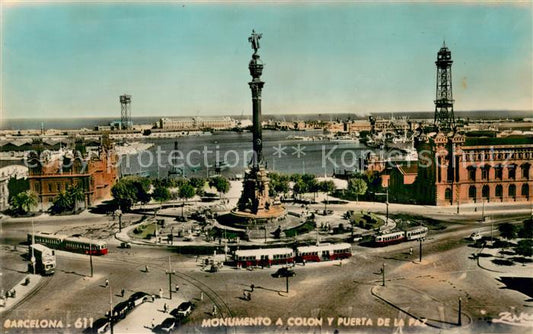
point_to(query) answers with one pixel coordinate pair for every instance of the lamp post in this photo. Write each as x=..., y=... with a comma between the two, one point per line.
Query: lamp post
x=91, y=257
x=32, y=250
x=420, y=250
x=383, y=273
x=170, y=272
x=459, y=322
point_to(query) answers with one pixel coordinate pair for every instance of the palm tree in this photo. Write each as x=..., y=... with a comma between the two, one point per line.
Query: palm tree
x=76, y=194
x=24, y=201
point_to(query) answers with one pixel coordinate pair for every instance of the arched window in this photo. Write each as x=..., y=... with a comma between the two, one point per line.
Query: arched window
x=498, y=172
x=472, y=192
x=485, y=172
x=485, y=191
x=512, y=190
x=472, y=173
x=525, y=190
x=448, y=193
x=499, y=190
x=525, y=170
x=511, y=171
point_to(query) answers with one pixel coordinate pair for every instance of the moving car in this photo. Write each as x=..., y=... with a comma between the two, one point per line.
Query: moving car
x=183, y=310
x=125, y=245
x=284, y=272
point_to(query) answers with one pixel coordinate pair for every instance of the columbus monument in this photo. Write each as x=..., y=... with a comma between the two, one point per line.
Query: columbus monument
x=255, y=203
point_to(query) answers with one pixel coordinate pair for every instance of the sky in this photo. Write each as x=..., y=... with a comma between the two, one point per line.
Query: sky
x=191, y=59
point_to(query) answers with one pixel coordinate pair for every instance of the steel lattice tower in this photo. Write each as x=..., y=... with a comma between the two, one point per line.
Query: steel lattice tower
x=125, y=112
x=444, y=117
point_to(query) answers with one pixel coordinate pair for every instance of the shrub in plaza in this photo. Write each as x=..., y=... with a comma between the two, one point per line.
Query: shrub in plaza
x=526, y=231
x=507, y=231
x=524, y=248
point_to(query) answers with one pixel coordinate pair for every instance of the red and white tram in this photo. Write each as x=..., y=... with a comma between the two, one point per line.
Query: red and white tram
x=71, y=244
x=389, y=238
x=263, y=257
x=324, y=252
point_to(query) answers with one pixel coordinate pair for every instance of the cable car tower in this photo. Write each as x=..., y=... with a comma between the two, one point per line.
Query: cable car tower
x=444, y=117
x=125, y=112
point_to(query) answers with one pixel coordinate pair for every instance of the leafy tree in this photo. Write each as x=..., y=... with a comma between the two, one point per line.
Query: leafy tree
x=161, y=194
x=131, y=190
x=186, y=192
x=357, y=187
x=23, y=202
x=221, y=184
x=507, y=231
x=299, y=187
x=16, y=186
x=278, y=183
x=295, y=177
x=524, y=247
x=197, y=182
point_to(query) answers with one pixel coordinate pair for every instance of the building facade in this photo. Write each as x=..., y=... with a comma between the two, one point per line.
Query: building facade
x=96, y=173
x=474, y=170
x=196, y=123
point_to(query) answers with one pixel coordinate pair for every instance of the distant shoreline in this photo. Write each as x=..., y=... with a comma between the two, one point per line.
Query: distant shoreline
x=91, y=122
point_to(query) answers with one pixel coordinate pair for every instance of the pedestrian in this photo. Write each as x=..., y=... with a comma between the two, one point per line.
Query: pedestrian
x=245, y=294
x=145, y=268
x=122, y=292
x=165, y=308
x=106, y=282
x=252, y=287
x=214, y=310
x=160, y=293
x=177, y=287
x=202, y=296
x=14, y=294
x=340, y=263
x=249, y=295
x=303, y=261
x=411, y=251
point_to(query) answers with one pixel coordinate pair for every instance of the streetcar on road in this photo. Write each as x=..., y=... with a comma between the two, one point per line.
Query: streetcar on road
x=324, y=252
x=70, y=244
x=45, y=259
x=263, y=257
x=411, y=234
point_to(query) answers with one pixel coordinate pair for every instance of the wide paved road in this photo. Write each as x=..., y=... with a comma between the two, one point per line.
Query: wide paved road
x=318, y=290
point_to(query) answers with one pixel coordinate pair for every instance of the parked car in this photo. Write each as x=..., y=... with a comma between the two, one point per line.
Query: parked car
x=475, y=236
x=183, y=310
x=100, y=326
x=120, y=311
x=167, y=326
x=125, y=245
x=284, y=272
x=138, y=298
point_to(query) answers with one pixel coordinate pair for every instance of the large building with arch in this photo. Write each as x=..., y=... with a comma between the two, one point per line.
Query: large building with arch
x=456, y=169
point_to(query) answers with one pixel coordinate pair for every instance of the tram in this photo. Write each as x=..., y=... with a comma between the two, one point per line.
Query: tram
x=70, y=244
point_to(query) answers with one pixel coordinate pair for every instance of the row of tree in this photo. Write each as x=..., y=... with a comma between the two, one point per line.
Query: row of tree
x=132, y=190
x=308, y=183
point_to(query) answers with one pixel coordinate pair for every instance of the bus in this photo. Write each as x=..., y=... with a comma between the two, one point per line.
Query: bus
x=45, y=259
